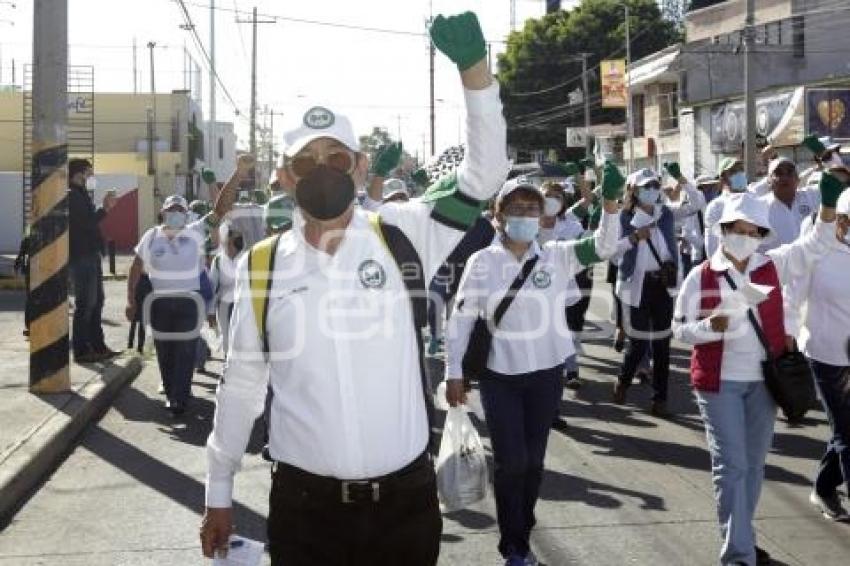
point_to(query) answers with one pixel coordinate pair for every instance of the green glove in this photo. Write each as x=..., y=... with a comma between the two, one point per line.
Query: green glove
x=570, y=169
x=831, y=188
x=673, y=169
x=386, y=159
x=420, y=177
x=814, y=145
x=460, y=38
x=612, y=182
x=208, y=175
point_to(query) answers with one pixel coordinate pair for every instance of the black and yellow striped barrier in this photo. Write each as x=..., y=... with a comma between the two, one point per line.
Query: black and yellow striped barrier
x=49, y=345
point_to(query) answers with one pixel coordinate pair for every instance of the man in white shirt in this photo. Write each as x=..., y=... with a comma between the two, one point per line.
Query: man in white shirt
x=733, y=184
x=787, y=204
x=333, y=331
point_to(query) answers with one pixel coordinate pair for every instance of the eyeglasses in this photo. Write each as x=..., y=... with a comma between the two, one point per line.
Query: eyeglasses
x=652, y=185
x=340, y=160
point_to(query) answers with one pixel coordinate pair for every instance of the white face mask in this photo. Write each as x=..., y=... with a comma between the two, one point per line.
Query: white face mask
x=552, y=206
x=91, y=184
x=740, y=246
x=738, y=182
x=523, y=229
x=649, y=196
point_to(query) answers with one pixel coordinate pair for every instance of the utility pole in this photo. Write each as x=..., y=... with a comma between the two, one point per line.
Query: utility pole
x=432, y=54
x=135, y=69
x=211, y=131
x=152, y=129
x=584, y=83
x=253, y=125
x=513, y=15
x=629, y=110
x=749, y=93
x=48, y=285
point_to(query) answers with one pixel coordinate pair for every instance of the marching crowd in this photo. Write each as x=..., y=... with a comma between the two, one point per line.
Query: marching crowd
x=322, y=298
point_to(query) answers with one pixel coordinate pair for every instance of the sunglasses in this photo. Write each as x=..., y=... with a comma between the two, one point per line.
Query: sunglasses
x=340, y=160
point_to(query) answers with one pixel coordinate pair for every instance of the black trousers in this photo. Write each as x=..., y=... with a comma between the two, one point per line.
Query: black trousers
x=577, y=312
x=309, y=524
x=655, y=315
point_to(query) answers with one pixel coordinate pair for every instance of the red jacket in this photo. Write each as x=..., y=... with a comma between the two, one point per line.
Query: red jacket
x=707, y=358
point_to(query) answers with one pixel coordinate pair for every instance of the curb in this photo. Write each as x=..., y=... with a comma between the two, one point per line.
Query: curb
x=43, y=449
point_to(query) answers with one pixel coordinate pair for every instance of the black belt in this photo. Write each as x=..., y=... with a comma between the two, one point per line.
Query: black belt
x=417, y=474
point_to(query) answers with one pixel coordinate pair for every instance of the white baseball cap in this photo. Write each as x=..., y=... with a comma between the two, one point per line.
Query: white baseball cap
x=313, y=123
x=775, y=163
x=706, y=180
x=174, y=199
x=746, y=207
x=644, y=177
x=521, y=182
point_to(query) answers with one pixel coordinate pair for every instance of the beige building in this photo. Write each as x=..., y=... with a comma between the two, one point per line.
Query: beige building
x=121, y=123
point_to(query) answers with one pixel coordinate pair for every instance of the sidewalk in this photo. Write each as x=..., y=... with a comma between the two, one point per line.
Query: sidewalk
x=39, y=430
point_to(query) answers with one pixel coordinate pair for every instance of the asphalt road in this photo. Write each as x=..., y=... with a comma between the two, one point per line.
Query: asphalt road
x=621, y=487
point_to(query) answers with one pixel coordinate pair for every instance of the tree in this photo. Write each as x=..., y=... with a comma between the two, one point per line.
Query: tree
x=370, y=144
x=539, y=69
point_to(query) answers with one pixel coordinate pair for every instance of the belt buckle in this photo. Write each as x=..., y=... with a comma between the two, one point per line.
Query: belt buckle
x=346, y=495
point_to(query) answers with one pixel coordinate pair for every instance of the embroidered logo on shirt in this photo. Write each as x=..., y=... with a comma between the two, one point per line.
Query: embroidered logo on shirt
x=541, y=279
x=805, y=210
x=158, y=252
x=372, y=274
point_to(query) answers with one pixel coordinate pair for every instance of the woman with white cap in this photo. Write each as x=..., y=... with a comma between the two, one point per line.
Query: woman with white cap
x=648, y=277
x=172, y=254
x=825, y=339
x=521, y=385
x=726, y=372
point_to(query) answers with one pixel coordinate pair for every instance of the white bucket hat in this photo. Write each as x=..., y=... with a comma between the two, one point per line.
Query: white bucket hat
x=175, y=199
x=746, y=207
x=645, y=176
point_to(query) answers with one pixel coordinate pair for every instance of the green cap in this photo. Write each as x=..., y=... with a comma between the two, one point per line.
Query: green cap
x=814, y=144
x=208, y=176
x=726, y=163
x=261, y=196
x=277, y=213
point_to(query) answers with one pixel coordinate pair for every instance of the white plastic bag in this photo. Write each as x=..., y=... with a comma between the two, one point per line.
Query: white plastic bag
x=461, y=465
x=473, y=401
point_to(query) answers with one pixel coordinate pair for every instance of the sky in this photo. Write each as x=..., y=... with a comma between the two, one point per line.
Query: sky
x=377, y=79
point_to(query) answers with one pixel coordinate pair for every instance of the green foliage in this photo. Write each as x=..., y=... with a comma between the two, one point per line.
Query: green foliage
x=543, y=55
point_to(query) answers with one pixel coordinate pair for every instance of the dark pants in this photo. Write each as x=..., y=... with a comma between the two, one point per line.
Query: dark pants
x=655, y=315
x=176, y=357
x=87, y=276
x=309, y=524
x=577, y=312
x=833, y=383
x=519, y=410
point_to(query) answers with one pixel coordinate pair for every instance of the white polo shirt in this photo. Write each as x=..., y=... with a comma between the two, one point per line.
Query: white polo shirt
x=785, y=221
x=533, y=333
x=173, y=261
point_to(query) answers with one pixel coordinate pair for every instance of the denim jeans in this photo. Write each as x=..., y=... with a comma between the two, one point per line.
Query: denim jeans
x=87, y=276
x=176, y=358
x=519, y=410
x=833, y=386
x=739, y=423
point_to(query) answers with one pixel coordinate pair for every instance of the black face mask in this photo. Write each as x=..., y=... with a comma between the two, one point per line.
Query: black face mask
x=325, y=193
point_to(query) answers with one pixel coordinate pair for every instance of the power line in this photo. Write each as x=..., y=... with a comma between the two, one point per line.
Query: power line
x=191, y=27
x=325, y=23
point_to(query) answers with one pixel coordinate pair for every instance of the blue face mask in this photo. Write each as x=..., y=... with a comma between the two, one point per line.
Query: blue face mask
x=174, y=219
x=522, y=228
x=649, y=197
x=738, y=182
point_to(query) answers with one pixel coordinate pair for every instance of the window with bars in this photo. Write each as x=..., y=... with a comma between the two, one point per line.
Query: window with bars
x=668, y=107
